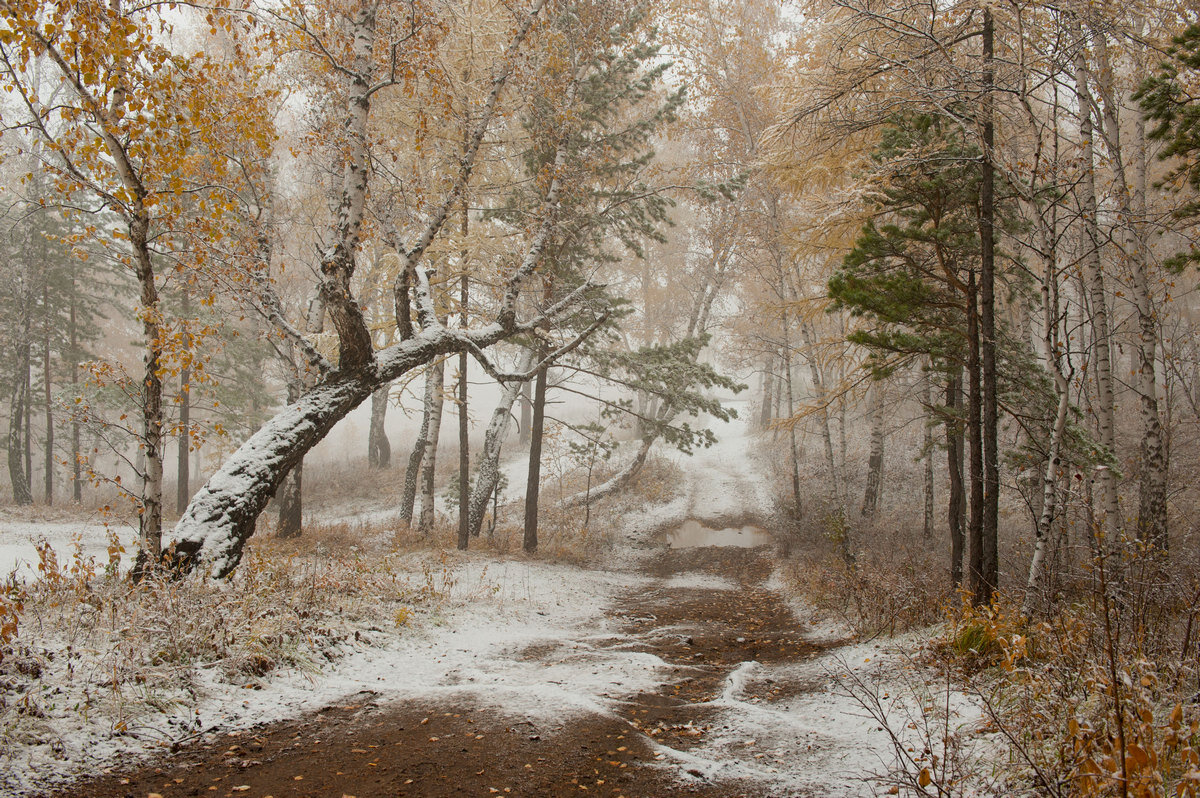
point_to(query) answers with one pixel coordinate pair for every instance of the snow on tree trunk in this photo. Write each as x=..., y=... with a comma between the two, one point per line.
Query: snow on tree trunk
x=222, y=514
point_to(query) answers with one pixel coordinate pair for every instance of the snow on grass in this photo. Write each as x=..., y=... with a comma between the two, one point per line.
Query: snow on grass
x=824, y=739
x=520, y=636
x=20, y=537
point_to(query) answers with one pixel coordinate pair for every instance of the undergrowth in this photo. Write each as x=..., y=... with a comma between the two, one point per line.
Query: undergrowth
x=83, y=645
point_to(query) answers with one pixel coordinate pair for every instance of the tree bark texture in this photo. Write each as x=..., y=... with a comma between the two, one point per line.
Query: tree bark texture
x=488, y=471
x=989, y=560
x=1094, y=277
x=425, y=516
x=870, y=502
x=975, y=576
x=955, y=456
x=379, y=449
x=533, y=482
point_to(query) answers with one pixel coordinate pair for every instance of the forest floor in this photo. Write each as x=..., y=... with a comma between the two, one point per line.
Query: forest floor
x=679, y=666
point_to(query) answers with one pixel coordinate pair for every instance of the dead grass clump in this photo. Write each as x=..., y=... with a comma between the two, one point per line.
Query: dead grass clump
x=94, y=646
x=885, y=588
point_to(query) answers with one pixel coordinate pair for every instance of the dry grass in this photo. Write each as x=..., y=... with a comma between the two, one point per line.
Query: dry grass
x=91, y=643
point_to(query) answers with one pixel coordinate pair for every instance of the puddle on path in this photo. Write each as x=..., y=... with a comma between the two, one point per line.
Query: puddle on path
x=693, y=534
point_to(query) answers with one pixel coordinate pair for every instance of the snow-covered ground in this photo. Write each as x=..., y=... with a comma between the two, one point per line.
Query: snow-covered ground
x=21, y=535
x=472, y=647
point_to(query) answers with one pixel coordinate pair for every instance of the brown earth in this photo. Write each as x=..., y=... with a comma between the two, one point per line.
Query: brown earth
x=366, y=749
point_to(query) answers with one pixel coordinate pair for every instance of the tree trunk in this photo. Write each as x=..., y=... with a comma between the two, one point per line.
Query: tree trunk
x=989, y=532
x=526, y=412
x=870, y=503
x=793, y=457
x=1049, y=495
x=16, y=461
x=47, y=395
x=488, y=474
x=290, y=521
x=73, y=365
x=955, y=455
x=412, y=472
x=768, y=401
x=1094, y=276
x=221, y=516
x=379, y=449
x=427, y=512
x=151, y=396
x=183, y=484
x=975, y=581
x=927, y=471
x=818, y=380
x=533, y=483
x=27, y=398
x=1152, y=477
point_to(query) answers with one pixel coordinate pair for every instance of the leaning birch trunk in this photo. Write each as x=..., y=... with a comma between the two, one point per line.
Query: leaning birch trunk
x=221, y=516
x=429, y=468
x=619, y=480
x=489, y=460
x=1094, y=276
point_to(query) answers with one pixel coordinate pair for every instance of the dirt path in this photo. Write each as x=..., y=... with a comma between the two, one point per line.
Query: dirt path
x=706, y=613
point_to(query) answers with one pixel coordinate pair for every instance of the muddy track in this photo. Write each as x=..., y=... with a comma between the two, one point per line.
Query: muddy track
x=707, y=613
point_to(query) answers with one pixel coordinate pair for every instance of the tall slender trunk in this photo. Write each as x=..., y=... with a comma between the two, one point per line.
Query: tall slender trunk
x=183, y=485
x=526, y=412
x=975, y=581
x=768, y=385
x=927, y=471
x=425, y=517
x=793, y=456
x=379, y=449
x=73, y=365
x=412, y=472
x=1130, y=191
x=47, y=394
x=464, y=431
x=16, y=461
x=488, y=472
x=870, y=502
x=533, y=481
x=1094, y=276
x=818, y=381
x=955, y=455
x=989, y=562
x=27, y=398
